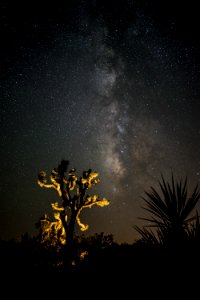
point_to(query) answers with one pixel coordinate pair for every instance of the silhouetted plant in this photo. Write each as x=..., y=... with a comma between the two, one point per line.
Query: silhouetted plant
x=149, y=237
x=73, y=192
x=91, y=250
x=171, y=213
x=193, y=230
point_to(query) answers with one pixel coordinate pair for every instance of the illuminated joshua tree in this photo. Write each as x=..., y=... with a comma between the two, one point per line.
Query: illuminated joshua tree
x=73, y=191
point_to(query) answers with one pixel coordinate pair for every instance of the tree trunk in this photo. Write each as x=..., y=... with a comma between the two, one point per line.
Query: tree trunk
x=70, y=229
x=70, y=250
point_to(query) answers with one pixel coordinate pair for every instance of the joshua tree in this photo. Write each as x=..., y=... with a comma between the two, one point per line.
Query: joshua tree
x=171, y=213
x=73, y=192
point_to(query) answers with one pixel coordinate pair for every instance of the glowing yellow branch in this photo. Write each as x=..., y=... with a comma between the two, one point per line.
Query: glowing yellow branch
x=53, y=226
x=90, y=179
x=83, y=227
x=89, y=203
x=103, y=202
x=48, y=186
x=56, y=207
x=54, y=185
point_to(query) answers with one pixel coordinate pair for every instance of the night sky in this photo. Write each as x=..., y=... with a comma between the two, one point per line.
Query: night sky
x=108, y=85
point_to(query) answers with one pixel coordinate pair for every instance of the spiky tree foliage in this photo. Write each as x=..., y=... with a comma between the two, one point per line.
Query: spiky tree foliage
x=149, y=237
x=74, y=194
x=170, y=212
x=193, y=230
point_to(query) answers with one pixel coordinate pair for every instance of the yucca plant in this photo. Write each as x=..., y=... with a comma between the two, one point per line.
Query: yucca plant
x=149, y=237
x=170, y=212
x=193, y=230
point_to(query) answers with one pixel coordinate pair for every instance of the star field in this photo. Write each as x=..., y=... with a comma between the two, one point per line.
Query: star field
x=108, y=85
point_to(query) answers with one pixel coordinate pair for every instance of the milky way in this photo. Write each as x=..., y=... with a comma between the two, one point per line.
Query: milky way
x=114, y=92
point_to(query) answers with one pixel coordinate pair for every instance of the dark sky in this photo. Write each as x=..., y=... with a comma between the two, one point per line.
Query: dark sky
x=108, y=85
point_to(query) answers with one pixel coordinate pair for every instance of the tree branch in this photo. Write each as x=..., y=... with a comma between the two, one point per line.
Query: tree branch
x=90, y=201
